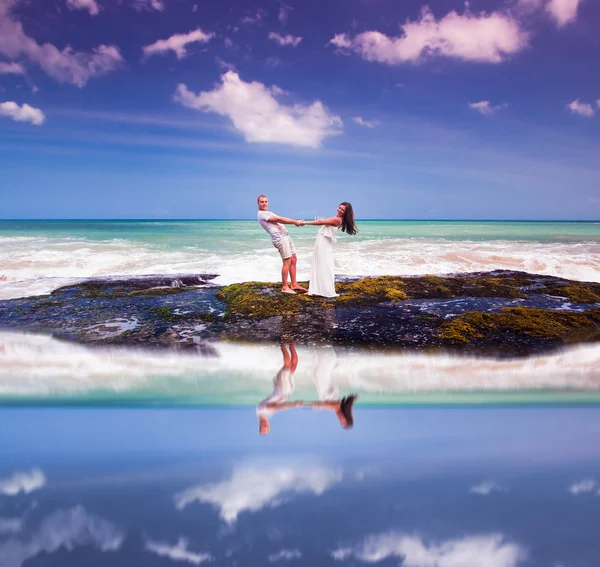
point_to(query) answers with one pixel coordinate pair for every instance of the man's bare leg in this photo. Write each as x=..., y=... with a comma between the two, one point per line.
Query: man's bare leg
x=294, y=357
x=287, y=359
x=285, y=270
x=295, y=284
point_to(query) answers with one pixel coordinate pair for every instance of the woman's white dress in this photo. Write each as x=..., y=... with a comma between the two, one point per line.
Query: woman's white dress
x=322, y=274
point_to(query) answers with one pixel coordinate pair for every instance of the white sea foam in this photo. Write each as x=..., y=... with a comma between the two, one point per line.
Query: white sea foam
x=37, y=265
x=37, y=365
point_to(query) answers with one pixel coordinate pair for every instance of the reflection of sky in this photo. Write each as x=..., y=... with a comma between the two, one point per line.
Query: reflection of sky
x=540, y=434
x=156, y=487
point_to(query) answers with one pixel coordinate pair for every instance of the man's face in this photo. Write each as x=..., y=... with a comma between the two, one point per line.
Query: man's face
x=263, y=204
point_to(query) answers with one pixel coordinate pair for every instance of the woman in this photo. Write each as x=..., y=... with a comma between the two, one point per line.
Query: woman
x=322, y=275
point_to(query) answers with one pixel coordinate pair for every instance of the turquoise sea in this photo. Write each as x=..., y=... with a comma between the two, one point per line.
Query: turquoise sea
x=38, y=256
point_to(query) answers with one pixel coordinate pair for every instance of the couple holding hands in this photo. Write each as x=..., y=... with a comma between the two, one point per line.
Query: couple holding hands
x=322, y=274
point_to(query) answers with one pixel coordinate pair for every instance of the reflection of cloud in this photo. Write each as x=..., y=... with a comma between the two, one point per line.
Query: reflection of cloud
x=252, y=488
x=285, y=555
x=486, y=488
x=22, y=482
x=489, y=550
x=587, y=485
x=10, y=525
x=64, y=528
x=177, y=552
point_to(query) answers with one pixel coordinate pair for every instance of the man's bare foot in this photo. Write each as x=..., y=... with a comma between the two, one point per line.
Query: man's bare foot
x=299, y=287
x=288, y=290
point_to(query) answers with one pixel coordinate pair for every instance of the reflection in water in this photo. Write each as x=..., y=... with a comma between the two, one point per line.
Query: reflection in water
x=502, y=487
x=325, y=361
x=45, y=370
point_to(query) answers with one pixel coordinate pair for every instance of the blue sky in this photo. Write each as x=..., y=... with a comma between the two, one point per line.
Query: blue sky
x=189, y=109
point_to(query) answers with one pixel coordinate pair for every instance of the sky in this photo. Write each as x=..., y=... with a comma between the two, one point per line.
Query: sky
x=190, y=109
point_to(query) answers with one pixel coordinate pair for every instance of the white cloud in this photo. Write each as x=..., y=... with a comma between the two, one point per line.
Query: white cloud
x=489, y=38
x=283, y=40
x=258, y=16
x=486, y=107
x=486, y=488
x=149, y=5
x=177, y=43
x=366, y=123
x=489, y=550
x=11, y=69
x=563, y=11
x=23, y=113
x=177, y=552
x=10, y=525
x=22, y=481
x=582, y=487
x=285, y=555
x=341, y=553
x=66, y=66
x=581, y=108
x=90, y=5
x=254, y=110
x=284, y=12
x=251, y=488
x=64, y=528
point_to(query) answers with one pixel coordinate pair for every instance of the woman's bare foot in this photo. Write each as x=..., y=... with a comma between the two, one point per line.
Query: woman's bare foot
x=288, y=290
x=299, y=287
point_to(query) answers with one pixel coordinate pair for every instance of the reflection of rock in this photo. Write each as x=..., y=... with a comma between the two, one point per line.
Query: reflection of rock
x=498, y=313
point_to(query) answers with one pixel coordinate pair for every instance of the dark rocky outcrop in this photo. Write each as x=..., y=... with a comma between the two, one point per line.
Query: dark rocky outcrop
x=498, y=313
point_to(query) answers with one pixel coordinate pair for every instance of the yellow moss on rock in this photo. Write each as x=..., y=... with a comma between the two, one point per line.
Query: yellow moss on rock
x=577, y=292
x=458, y=331
x=261, y=300
x=372, y=290
x=528, y=321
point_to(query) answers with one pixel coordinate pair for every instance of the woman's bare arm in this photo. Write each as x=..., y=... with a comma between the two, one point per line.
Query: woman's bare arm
x=332, y=221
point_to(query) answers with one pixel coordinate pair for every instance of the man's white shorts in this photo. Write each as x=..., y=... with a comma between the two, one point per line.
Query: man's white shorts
x=285, y=246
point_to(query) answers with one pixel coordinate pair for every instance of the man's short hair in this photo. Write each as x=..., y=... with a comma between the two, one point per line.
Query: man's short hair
x=258, y=198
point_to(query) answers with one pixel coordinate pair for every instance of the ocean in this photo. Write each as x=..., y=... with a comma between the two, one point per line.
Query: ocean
x=37, y=257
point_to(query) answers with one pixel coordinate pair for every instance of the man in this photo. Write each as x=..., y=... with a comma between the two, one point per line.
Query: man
x=283, y=387
x=273, y=224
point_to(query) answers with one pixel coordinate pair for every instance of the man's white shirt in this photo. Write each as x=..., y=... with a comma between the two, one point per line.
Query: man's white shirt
x=276, y=230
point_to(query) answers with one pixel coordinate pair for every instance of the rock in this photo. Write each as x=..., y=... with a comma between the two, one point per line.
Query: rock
x=499, y=313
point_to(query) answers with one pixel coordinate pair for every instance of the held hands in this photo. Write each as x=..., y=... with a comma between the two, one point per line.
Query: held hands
x=301, y=222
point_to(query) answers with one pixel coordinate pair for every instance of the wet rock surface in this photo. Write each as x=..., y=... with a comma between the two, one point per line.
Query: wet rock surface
x=496, y=313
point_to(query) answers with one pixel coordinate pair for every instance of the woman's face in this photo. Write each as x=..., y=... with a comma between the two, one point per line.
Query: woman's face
x=341, y=210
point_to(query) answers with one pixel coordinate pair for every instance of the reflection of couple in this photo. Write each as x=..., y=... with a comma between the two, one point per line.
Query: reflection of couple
x=283, y=387
x=322, y=275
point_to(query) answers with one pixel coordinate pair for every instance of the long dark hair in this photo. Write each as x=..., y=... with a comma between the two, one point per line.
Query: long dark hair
x=348, y=224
